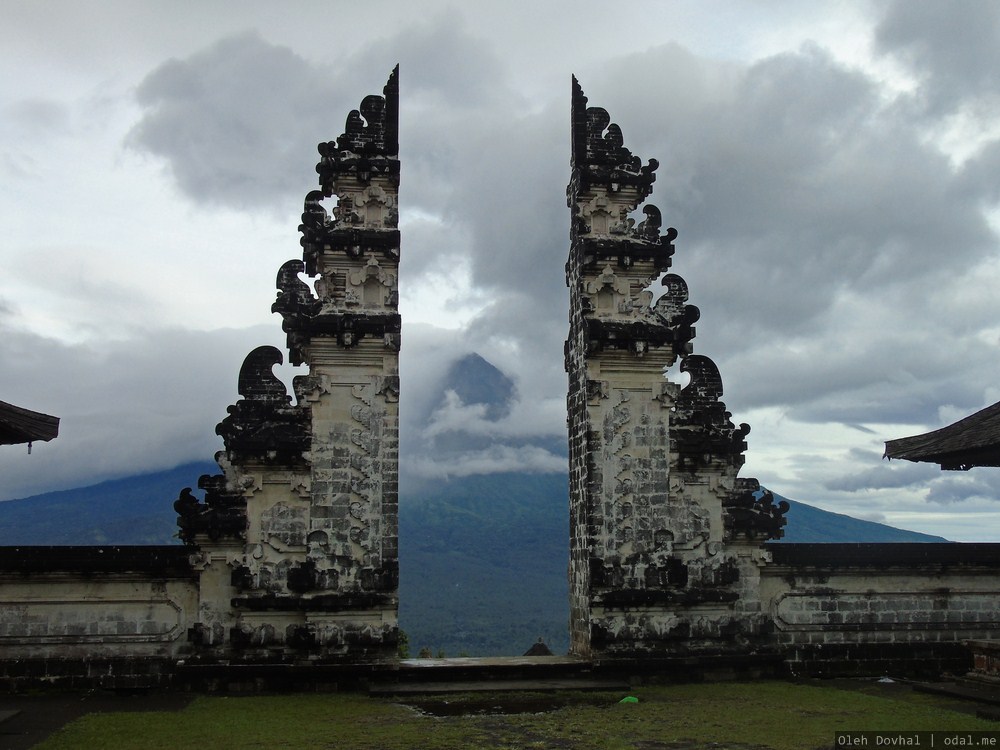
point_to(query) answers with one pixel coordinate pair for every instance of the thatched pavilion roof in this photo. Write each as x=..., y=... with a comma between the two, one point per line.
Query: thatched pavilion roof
x=19, y=425
x=973, y=441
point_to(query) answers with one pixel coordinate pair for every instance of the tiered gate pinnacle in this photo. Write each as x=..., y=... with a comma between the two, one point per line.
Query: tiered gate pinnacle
x=666, y=543
x=298, y=537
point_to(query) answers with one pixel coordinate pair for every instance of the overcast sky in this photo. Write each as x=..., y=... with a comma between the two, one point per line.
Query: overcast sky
x=833, y=171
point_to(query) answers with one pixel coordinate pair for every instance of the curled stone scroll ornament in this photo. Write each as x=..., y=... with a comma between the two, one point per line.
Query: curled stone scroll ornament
x=294, y=295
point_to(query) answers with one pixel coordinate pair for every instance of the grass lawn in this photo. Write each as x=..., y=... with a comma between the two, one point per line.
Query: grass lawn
x=775, y=715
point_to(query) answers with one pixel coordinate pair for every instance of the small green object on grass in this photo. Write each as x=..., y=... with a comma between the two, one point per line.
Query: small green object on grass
x=629, y=699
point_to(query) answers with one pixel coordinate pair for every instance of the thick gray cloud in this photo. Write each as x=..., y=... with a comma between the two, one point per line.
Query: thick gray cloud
x=883, y=474
x=234, y=120
x=799, y=181
x=979, y=177
x=38, y=115
x=953, y=48
x=448, y=66
x=887, y=376
x=237, y=121
x=955, y=487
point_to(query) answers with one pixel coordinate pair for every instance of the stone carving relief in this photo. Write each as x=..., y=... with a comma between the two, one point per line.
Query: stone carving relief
x=264, y=425
x=371, y=207
x=371, y=286
x=284, y=525
x=609, y=293
x=602, y=216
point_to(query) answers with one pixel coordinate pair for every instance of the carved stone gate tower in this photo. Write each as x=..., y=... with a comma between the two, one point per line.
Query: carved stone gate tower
x=666, y=543
x=297, y=537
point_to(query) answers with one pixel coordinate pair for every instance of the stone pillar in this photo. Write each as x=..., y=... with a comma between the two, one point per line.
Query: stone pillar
x=298, y=537
x=666, y=542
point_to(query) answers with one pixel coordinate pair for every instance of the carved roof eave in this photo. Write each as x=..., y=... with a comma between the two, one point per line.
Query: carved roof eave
x=972, y=441
x=347, y=328
x=354, y=242
x=338, y=164
x=615, y=334
x=627, y=250
x=19, y=425
x=613, y=179
x=332, y=324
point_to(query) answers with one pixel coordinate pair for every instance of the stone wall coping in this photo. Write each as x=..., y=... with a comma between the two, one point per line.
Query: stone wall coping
x=882, y=555
x=172, y=561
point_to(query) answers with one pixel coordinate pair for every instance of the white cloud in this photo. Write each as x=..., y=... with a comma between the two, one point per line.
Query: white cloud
x=497, y=459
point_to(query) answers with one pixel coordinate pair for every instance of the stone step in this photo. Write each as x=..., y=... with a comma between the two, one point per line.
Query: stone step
x=492, y=675
x=473, y=669
x=540, y=685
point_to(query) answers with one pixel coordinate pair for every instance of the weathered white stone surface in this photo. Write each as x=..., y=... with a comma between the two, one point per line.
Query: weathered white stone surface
x=62, y=615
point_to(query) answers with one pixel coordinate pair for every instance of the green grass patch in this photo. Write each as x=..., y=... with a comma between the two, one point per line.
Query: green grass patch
x=775, y=715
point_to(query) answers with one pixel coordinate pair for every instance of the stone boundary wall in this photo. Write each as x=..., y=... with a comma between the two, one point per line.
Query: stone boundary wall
x=881, y=609
x=85, y=617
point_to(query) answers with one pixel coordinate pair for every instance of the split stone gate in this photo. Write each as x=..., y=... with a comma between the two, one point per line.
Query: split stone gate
x=291, y=558
x=297, y=536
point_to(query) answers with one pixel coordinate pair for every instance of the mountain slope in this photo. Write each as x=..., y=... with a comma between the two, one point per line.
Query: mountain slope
x=476, y=381
x=483, y=564
x=810, y=524
x=133, y=510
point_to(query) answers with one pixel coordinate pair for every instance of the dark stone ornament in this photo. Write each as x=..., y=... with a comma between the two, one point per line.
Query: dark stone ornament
x=264, y=426
x=701, y=426
x=347, y=328
x=675, y=314
x=599, y=155
x=302, y=577
x=294, y=295
x=751, y=513
x=223, y=514
x=370, y=142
